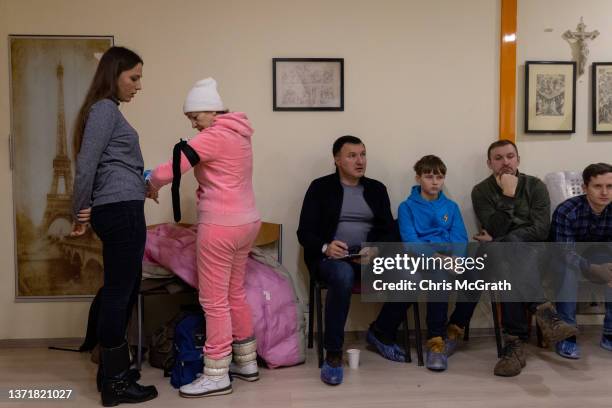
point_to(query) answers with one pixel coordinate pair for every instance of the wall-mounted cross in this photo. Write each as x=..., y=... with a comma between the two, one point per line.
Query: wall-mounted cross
x=579, y=38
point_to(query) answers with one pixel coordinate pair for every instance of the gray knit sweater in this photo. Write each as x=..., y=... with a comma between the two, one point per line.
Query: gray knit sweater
x=110, y=165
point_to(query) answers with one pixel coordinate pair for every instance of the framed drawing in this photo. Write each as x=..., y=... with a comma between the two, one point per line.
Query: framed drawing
x=49, y=76
x=308, y=84
x=602, y=97
x=550, y=97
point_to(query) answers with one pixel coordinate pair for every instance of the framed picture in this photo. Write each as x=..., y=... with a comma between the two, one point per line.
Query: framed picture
x=49, y=77
x=308, y=84
x=602, y=97
x=550, y=97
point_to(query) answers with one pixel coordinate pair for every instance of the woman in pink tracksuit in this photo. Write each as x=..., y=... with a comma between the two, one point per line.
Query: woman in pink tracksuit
x=228, y=223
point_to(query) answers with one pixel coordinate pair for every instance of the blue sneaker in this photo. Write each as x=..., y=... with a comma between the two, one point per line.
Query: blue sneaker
x=437, y=359
x=605, y=343
x=331, y=375
x=391, y=352
x=568, y=349
x=451, y=347
x=453, y=336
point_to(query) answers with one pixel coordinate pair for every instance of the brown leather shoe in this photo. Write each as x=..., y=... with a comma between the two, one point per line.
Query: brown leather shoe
x=512, y=360
x=553, y=328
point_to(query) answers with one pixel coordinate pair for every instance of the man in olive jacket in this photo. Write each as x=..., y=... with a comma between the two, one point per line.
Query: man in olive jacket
x=513, y=207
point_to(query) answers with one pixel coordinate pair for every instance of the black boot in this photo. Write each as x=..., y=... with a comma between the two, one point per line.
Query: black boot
x=117, y=386
x=133, y=374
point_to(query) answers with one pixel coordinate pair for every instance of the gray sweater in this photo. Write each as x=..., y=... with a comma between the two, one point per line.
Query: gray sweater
x=110, y=165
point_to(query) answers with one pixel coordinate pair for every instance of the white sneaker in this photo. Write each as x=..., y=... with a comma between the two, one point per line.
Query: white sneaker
x=246, y=372
x=207, y=386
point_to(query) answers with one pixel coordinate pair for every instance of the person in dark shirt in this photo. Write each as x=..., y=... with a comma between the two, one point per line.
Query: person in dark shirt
x=340, y=212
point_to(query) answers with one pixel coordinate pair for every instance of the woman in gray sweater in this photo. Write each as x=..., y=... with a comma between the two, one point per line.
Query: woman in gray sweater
x=109, y=191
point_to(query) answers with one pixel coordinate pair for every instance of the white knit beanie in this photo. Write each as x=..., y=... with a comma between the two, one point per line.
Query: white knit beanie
x=203, y=97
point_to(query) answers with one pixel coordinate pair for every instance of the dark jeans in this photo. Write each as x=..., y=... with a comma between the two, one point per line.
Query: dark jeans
x=568, y=291
x=517, y=262
x=437, y=309
x=339, y=276
x=392, y=314
x=514, y=317
x=388, y=321
x=122, y=229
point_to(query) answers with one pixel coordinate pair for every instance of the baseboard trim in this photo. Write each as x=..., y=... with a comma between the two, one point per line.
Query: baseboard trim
x=69, y=342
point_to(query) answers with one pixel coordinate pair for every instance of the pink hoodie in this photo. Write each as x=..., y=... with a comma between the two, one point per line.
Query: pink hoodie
x=225, y=193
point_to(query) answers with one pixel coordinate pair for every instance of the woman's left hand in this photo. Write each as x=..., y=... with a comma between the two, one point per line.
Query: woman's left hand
x=152, y=193
x=84, y=216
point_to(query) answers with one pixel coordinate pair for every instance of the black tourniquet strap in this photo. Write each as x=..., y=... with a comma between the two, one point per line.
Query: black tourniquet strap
x=194, y=159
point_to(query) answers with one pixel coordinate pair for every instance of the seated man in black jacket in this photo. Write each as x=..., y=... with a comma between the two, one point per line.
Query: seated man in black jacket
x=340, y=212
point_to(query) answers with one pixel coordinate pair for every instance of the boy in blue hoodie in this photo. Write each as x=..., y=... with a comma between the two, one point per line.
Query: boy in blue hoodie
x=428, y=216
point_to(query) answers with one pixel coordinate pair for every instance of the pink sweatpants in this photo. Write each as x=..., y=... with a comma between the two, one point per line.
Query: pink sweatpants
x=221, y=261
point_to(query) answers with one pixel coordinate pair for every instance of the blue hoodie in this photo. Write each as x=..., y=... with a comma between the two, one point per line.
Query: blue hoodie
x=430, y=221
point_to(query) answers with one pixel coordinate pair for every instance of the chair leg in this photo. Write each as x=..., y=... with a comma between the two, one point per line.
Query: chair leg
x=407, y=339
x=417, y=333
x=320, y=325
x=466, y=332
x=311, y=314
x=140, y=307
x=529, y=319
x=540, y=337
x=496, y=325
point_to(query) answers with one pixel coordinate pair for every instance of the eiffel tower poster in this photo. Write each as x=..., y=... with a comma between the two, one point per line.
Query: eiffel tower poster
x=49, y=79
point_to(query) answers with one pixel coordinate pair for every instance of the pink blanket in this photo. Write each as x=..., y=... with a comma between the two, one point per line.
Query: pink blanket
x=173, y=247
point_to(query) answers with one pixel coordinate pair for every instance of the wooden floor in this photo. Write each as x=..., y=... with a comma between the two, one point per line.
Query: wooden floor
x=547, y=381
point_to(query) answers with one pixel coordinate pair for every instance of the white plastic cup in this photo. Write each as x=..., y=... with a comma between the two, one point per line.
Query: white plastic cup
x=353, y=358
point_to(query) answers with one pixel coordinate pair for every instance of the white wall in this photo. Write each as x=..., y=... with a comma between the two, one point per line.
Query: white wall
x=420, y=77
x=541, y=154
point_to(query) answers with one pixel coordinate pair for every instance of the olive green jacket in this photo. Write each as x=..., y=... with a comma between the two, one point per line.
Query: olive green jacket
x=524, y=217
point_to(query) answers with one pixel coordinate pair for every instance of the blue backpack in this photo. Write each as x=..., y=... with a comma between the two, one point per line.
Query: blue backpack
x=189, y=337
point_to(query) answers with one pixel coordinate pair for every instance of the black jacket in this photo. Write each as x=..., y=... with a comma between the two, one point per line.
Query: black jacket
x=321, y=213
